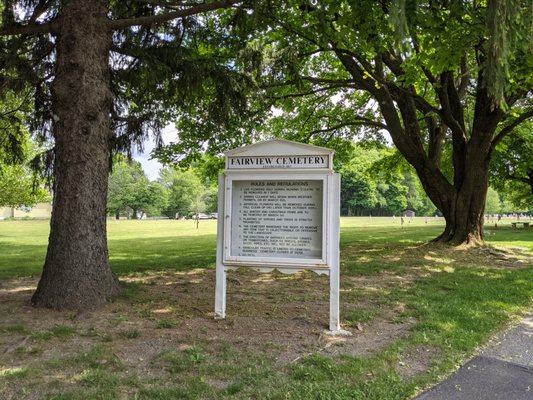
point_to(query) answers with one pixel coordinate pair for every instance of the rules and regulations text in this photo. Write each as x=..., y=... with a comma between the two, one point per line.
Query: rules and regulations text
x=277, y=218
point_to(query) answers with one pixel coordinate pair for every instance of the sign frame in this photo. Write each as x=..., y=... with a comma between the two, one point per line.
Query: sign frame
x=328, y=264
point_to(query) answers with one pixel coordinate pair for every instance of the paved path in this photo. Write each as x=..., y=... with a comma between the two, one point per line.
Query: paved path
x=503, y=371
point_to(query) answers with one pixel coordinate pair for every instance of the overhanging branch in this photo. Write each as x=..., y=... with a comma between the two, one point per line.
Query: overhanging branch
x=347, y=83
x=168, y=16
x=509, y=128
x=359, y=121
x=308, y=93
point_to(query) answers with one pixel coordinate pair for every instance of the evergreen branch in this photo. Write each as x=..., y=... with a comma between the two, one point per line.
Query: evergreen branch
x=20, y=107
x=128, y=119
x=509, y=128
x=164, y=4
x=338, y=82
x=311, y=53
x=121, y=50
x=333, y=82
x=29, y=29
x=165, y=17
x=173, y=5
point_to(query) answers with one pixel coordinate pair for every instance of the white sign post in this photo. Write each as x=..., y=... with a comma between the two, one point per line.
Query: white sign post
x=278, y=208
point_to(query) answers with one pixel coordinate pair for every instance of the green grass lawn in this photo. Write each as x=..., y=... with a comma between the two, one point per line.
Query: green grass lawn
x=136, y=246
x=438, y=304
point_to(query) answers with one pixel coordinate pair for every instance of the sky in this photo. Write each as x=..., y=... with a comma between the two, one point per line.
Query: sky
x=151, y=167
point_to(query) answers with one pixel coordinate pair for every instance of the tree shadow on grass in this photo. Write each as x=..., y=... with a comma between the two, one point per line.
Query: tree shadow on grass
x=18, y=260
x=126, y=255
x=163, y=253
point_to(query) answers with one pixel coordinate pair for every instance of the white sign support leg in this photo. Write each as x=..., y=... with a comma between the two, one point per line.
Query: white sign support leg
x=334, y=259
x=334, y=309
x=220, y=300
x=220, y=290
x=334, y=273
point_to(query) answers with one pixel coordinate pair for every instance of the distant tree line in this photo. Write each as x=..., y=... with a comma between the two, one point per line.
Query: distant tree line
x=376, y=181
x=177, y=193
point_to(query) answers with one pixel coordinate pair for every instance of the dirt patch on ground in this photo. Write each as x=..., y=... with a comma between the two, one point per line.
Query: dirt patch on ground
x=374, y=337
x=493, y=256
x=417, y=360
x=440, y=255
x=167, y=312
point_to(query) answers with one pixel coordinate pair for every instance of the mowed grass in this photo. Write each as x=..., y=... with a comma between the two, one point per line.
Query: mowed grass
x=134, y=246
x=441, y=305
x=137, y=246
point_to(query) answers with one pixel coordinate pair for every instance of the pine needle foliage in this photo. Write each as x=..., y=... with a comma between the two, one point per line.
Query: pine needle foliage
x=160, y=70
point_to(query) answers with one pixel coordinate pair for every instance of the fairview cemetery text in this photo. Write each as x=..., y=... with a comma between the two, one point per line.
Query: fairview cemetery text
x=278, y=162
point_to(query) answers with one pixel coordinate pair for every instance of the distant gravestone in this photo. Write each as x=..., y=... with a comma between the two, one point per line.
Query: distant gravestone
x=278, y=209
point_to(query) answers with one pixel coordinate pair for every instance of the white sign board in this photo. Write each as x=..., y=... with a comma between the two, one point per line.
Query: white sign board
x=279, y=209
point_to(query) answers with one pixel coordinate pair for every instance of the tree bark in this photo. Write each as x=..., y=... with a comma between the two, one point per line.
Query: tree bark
x=462, y=205
x=76, y=273
x=463, y=202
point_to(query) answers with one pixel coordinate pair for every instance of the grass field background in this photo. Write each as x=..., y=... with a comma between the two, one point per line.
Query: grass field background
x=417, y=312
x=146, y=245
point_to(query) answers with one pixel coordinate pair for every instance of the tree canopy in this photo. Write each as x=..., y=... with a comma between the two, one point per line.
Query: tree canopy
x=446, y=81
x=373, y=185
x=19, y=184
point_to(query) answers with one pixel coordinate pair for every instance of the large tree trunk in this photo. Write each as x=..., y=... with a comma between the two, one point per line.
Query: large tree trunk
x=464, y=205
x=462, y=202
x=76, y=273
